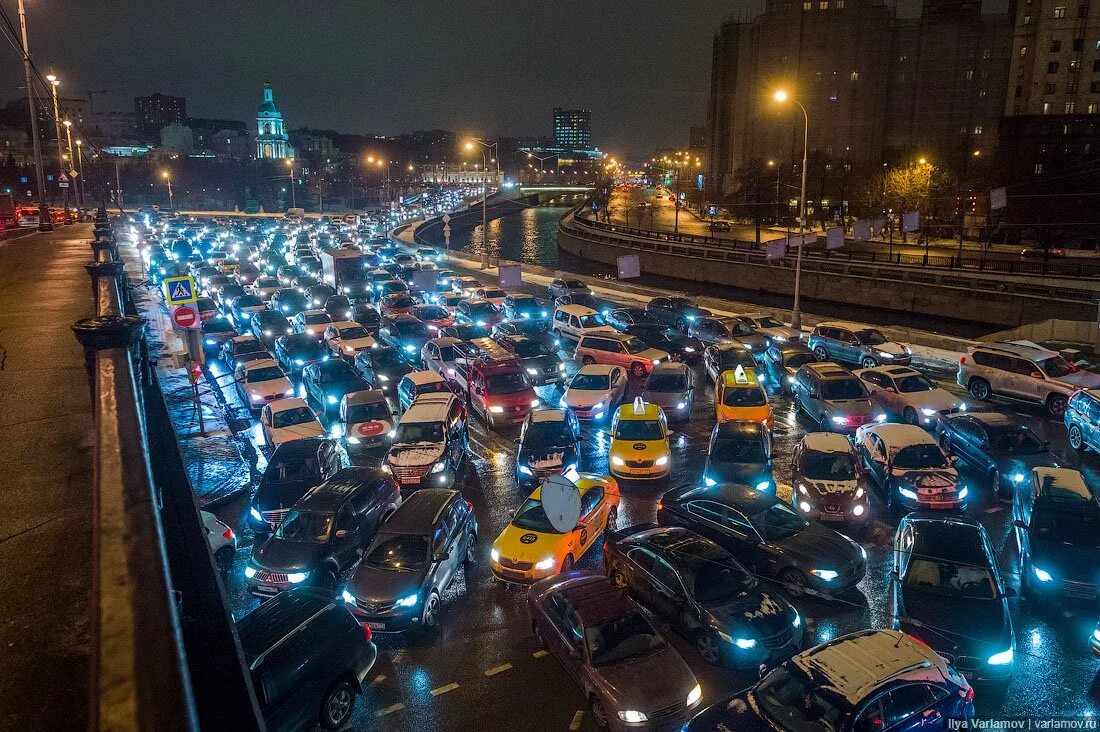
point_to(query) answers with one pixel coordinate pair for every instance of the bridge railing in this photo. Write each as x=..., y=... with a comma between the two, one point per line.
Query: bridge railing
x=164, y=652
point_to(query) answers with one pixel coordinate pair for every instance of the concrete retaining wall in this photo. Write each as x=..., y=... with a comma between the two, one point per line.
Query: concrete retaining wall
x=1069, y=331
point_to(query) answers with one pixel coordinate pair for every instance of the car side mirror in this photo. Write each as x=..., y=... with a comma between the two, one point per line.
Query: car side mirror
x=442, y=556
x=854, y=342
x=952, y=459
x=812, y=395
x=891, y=389
x=341, y=533
x=1037, y=375
x=1020, y=525
x=668, y=432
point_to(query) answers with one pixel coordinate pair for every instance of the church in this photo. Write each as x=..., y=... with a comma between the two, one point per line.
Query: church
x=271, y=138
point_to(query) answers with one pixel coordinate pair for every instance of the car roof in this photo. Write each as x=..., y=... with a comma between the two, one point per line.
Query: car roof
x=260, y=363
x=445, y=341
x=731, y=346
x=365, y=396
x=342, y=324
x=846, y=324
x=418, y=511
x=608, y=335
x=748, y=379
x=740, y=428
x=670, y=367
x=282, y=405
x=992, y=420
x=899, y=435
x=431, y=407
x=577, y=310
x=419, y=378
x=829, y=370
x=547, y=415
x=298, y=449
x=1062, y=483
x=335, y=491
x=596, y=600
x=596, y=369
x=1023, y=350
x=826, y=442
x=273, y=621
x=745, y=499
x=950, y=538
x=638, y=410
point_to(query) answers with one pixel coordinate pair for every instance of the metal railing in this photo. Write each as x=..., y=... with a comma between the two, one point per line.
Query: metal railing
x=164, y=652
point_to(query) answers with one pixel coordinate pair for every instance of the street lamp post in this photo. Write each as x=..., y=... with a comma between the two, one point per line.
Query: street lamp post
x=773, y=164
x=796, y=312
x=69, y=137
x=168, y=179
x=54, y=83
x=484, y=198
x=44, y=223
x=293, y=200
x=80, y=168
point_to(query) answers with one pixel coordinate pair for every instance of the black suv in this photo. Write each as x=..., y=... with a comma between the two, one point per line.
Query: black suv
x=324, y=533
x=291, y=471
x=308, y=658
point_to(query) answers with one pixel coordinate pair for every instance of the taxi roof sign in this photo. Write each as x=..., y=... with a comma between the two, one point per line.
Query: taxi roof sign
x=179, y=290
x=639, y=406
x=739, y=375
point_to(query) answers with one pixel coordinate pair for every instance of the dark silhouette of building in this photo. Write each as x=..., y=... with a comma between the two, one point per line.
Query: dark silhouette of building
x=573, y=128
x=157, y=111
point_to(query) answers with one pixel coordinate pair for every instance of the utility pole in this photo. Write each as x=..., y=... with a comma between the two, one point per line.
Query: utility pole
x=69, y=137
x=54, y=83
x=44, y=222
x=80, y=168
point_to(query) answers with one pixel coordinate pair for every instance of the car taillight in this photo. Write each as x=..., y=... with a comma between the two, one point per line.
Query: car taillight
x=660, y=505
x=228, y=533
x=469, y=506
x=919, y=640
x=962, y=359
x=967, y=695
x=367, y=632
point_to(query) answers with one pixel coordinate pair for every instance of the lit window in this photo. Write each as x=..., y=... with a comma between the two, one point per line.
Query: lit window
x=969, y=74
x=1060, y=11
x=1023, y=51
x=839, y=4
x=1038, y=168
x=1026, y=20
x=1071, y=107
x=1047, y=107
x=854, y=76
x=977, y=129
x=807, y=6
x=1093, y=106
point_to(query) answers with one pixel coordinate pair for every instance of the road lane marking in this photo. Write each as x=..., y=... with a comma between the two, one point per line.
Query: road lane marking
x=575, y=725
x=995, y=509
x=444, y=689
x=390, y=709
x=498, y=669
x=540, y=654
x=378, y=679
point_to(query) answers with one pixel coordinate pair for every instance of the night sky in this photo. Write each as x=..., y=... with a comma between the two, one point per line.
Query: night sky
x=642, y=67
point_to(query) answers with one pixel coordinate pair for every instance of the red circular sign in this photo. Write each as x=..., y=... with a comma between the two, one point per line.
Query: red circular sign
x=184, y=317
x=370, y=429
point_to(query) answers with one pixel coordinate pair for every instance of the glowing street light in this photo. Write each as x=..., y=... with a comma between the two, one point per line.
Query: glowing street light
x=781, y=96
x=168, y=179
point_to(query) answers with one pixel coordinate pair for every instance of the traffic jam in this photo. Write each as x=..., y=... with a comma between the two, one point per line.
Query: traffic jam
x=710, y=520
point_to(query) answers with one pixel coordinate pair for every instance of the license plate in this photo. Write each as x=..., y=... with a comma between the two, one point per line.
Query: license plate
x=268, y=588
x=376, y=626
x=410, y=480
x=940, y=504
x=831, y=517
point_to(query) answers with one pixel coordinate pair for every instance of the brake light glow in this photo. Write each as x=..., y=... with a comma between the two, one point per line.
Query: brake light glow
x=968, y=695
x=228, y=533
x=367, y=632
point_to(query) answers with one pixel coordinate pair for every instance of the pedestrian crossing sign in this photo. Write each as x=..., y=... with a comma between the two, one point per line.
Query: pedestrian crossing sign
x=179, y=290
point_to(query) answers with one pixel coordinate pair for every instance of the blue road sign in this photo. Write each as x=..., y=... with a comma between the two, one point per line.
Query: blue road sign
x=179, y=290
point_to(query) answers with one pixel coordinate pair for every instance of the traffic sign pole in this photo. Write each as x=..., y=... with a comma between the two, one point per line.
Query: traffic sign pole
x=447, y=237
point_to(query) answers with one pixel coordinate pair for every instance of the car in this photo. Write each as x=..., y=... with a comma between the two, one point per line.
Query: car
x=998, y=447
x=286, y=274
x=433, y=316
x=740, y=452
x=286, y=420
x=825, y=480
x=406, y=335
x=574, y=321
x=430, y=443
x=833, y=397
x=215, y=332
x=517, y=306
x=869, y=680
x=292, y=470
x=412, y=562
x=207, y=308
x=562, y=287
x=1082, y=420
x=366, y=421
x=244, y=307
x=270, y=325
x=781, y=361
x=439, y=355
x=775, y=331
x=310, y=657
x=1056, y=521
x=530, y=548
x=296, y=351
x=389, y=287
x=630, y=676
x=327, y=382
x=639, y=442
x=242, y=349
x=910, y=468
x=465, y=331
x=724, y=357
x=702, y=592
x=338, y=307
x=669, y=340
x=542, y=365
x=739, y=396
x=720, y=226
x=495, y=295
x=324, y=533
x=768, y=536
x=427, y=254
x=465, y=286
x=311, y=322
x=548, y=444
x=264, y=287
x=622, y=318
x=288, y=301
x=381, y=367
x=495, y=384
x=261, y=382
x=318, y=296
x=856, y=343
x=671, y=386
x=676, y=312
x=726, y=330
x=1023, y=372
x=594, y=391
x=399, y=303
x=346, y=338
x=415, y=383
x=221, y=540
x=477, y=312
x=446, y=299
x=909, y=395
x=945, y=589
x=536, y=330
x=619, y=349
x=365, y=315
x=583, y=299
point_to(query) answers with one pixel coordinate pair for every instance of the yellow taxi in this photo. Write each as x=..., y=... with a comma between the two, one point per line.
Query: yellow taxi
x=530, y=548
x=639, y=442
x=739, y=396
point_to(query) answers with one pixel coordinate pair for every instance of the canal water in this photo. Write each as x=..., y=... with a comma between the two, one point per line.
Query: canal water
x=530, y=236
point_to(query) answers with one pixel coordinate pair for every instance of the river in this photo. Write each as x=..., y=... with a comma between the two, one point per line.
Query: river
x=530, y=236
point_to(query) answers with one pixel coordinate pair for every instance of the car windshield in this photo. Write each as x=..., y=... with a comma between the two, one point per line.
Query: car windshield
x=354, y=332
x=668, y=382
x=635, y=345
x=740, y=396
x=248, y=301
x=639, y=429
x=778, y=523
x=548, y=434
x=799, y=359
x=916, y=457
x=291, y=417
x=306, y=347
x=431, y=312
x=942, y=577
x=367, y=412
x=792, y=701
x=482, y=310
x=306, y=527
x=828, y=465
x=737, y=328
x=493, y=294
x=385, y=358
x=732, y=357
x=532, y=516
x=411, y=329
x=871, y=337
x=624, y=638
x=265, y=282
x=575, y=285
x=1056, y=367
x=591, y=321
x=283, y=470
x=1079, y=527
x=1020, y=441
x=531, y=349
x=713, y=579
x=402, y=301
x=508, y=383
x=216, y=325
x=591, y=382
x=914, y=383
x=400, y=552
x=315, y=318
x=738, y=451
x=768, y=322
x=468, y=332
x=842, y=389
x=267, y=373
x=410, y=433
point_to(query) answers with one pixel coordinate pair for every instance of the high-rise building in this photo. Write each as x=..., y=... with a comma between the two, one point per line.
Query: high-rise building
x=573, y=128
x=157, y=111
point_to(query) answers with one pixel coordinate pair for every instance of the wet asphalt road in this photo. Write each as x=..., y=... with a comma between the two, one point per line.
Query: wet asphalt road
x=483, y=669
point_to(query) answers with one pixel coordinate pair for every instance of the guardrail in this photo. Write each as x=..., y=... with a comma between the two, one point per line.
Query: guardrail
x=164, y=652
x=850, y=263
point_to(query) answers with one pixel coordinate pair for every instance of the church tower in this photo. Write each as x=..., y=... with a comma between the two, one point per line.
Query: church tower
x=271, y=139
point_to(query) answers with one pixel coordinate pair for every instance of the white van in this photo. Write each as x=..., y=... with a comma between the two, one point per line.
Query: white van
x=575, y=321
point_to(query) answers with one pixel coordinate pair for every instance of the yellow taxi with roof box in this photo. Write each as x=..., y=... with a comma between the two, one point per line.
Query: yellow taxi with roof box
x=738, y=395
x=639, y=442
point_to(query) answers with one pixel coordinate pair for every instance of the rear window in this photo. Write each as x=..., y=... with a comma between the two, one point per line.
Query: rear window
x=744, y=397
x=843, y=389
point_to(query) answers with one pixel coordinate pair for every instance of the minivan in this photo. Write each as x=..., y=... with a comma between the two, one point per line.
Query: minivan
x=619, y=349
x=574, y=321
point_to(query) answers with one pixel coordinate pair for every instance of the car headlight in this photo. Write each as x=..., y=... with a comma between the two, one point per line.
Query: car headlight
x=534, y=403
x=254, y=513
x=661, y=461
x=1000, y=659
x=1096, y=634
x=763, y=485
x=561, y=367
x=331, y=399
x=689, y=349
x=545, y=564
x=257, y=397
x=249, y=572
x=382, y=377
x=494, y=555
x=802, y=490
x=1017, y=478
x=481, y=323
x=392, y=434
x=1041, y=574
x=299, y=362
x=880, y=418
x=632, y=716
x=709, y=482
x=289, y=331
x=790, y=379
x=681, y=405
x=407, y=601
x=267, y=332
x=496, y=409
x=963, y=492
x=859, y=492
x=804, y=506
x=297, y=577
x=840, y=420
x=695, y=695
x=779, y=339
x=211, y=342
x=532, y=371
x=348, y=597
x=962, y=407
x=353, y=440
x=439, y=467
x=797, y=620
x=858, y=509
x=745, y=643
x=826, y=574
x=907, y=493
x=616, y=460
x=525, y=470
x=927, y=412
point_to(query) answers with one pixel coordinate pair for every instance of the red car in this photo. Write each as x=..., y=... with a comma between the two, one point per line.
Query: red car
x=433, y=316
x=399, y=303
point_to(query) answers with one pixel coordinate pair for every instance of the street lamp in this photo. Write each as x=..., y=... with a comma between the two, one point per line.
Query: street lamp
x=773, y=164
x=54, y=83
x=781, y=96
x=293, y=201
x=484, y=195
x=69, y=137
x=168, y=178
x=80, y=168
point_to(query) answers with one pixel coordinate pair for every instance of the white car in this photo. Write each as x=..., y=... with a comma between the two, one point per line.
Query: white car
x=594, y=391
x=312, y=322
x=222, y=541
x=264, y=287
x=287, y=420
x=494, y=295
x=439, y=356
x=345, y=338
x=465, y=286
x=909, y=395
x=261, y=382
x=772, y=329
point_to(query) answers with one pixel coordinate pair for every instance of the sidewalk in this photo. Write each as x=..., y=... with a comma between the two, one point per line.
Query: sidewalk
x=46, y=453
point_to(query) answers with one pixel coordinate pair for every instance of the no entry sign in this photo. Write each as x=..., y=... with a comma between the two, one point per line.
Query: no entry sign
x=185, y=317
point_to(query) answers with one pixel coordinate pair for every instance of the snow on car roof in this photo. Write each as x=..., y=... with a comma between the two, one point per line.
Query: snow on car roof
x=826, y=442
x=596, y=369
x=419, y=378
x=547, y=415
x=1062, y=483
x=260, y=363
x=344, y=324
x=282, y=405
x=366, y=396
x=428, y=408
x=899, y=435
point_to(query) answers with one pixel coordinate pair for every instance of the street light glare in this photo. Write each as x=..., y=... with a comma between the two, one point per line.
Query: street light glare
x=469, y=146
x=780, y=95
